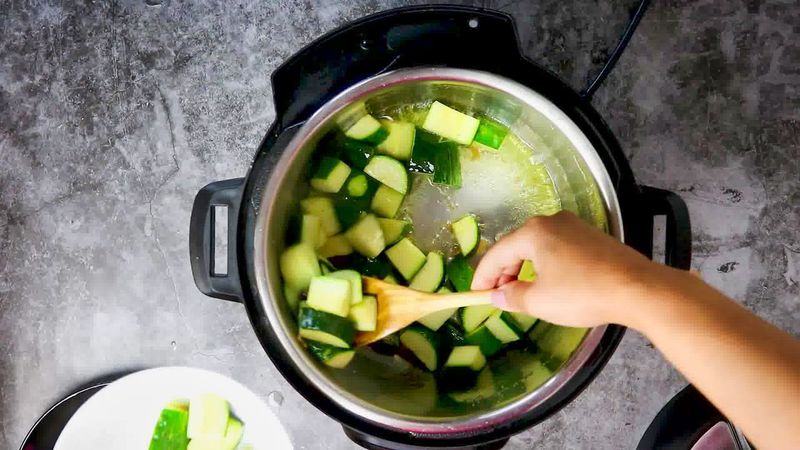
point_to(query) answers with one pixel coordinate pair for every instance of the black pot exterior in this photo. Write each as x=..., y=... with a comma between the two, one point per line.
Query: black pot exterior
x=389, y=41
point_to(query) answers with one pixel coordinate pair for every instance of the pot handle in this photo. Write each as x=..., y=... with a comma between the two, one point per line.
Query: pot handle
x=678, y=248
x=227, y=193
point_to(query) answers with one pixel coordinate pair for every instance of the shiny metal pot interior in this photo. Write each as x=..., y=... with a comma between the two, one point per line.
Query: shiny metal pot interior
x=380, y=390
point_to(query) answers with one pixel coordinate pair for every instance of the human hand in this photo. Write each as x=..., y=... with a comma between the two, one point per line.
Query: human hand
x=584, y=277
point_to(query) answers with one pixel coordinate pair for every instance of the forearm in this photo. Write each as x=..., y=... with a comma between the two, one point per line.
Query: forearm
x=749, y=369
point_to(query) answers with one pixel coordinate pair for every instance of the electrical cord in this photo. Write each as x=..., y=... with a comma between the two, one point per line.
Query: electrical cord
x=633, y=22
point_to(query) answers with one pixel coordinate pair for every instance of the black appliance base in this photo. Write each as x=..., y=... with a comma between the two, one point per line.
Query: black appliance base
x=374, y=443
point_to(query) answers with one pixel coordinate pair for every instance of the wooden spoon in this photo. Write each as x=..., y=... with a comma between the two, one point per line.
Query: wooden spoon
x=399, y=306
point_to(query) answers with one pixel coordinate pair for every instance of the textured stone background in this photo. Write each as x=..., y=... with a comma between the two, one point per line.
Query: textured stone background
x=113, y=114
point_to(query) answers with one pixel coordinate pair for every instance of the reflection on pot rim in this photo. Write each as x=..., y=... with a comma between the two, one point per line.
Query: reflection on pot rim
x=265, y=251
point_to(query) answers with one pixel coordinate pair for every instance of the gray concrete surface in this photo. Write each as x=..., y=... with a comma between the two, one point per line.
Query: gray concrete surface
x=113, y=114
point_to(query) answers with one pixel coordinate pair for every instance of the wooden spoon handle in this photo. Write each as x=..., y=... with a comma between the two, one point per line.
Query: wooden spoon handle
x=439, y=302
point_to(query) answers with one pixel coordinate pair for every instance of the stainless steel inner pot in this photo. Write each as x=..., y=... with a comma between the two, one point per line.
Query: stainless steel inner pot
x=381, y=389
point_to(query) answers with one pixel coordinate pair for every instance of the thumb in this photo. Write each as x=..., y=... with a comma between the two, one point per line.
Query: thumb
x=516, y=296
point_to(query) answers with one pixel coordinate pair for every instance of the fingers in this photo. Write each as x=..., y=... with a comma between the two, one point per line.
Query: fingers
x=515, y=296
x=503, y=260
x=506, y=279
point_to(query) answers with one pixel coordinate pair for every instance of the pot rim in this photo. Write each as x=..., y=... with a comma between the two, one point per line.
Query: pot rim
x=266, y=286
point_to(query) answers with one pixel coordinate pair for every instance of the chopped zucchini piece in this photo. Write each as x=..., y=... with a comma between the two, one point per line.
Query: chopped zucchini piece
x=526, y=271
x=367, y=129
x=311, y=231
x=400, y=141
x=336, y=357
x=523, y=321
x=170, y=431
x=323, y=208
x=368, y=267
x=329, y=294
x=460, y=273
x=386, y=201
x=451, y=124
x=366, y=236
x=208, y=416
x=451, y=334
x=435, y=320
x=423, y=343
x=364, y=314
x=298, y=265
x=326, y=328
x=205, y=443
x=426, y=147
x=539, y=330
x=292, y=296
x=536, y=375
x=502, y=326
x=469, y=356
x=354, y=278
x=473, y=316
x=559, y=342
x=233, y=434
x=335, y=246
x=467, y=234
x=485, y=339
x=461, y=369
x=355, y=153
x=483, y=389
x=390, y=279
x=350, y=210
x=394, y=229
x=325, y=266
x=388, y=171
x=447, y=167
x=490, y=133
x=357, y=185
x=330, y=176
x=430, y=276
x=406, y=258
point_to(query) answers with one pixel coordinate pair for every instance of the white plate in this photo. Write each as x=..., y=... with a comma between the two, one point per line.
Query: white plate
x=122, y=415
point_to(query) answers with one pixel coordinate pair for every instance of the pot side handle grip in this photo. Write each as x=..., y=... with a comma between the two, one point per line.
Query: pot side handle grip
x=678, y=248
x=226, y=193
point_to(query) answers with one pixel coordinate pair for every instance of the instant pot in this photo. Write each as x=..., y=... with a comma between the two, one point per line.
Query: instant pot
x=470, y=58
